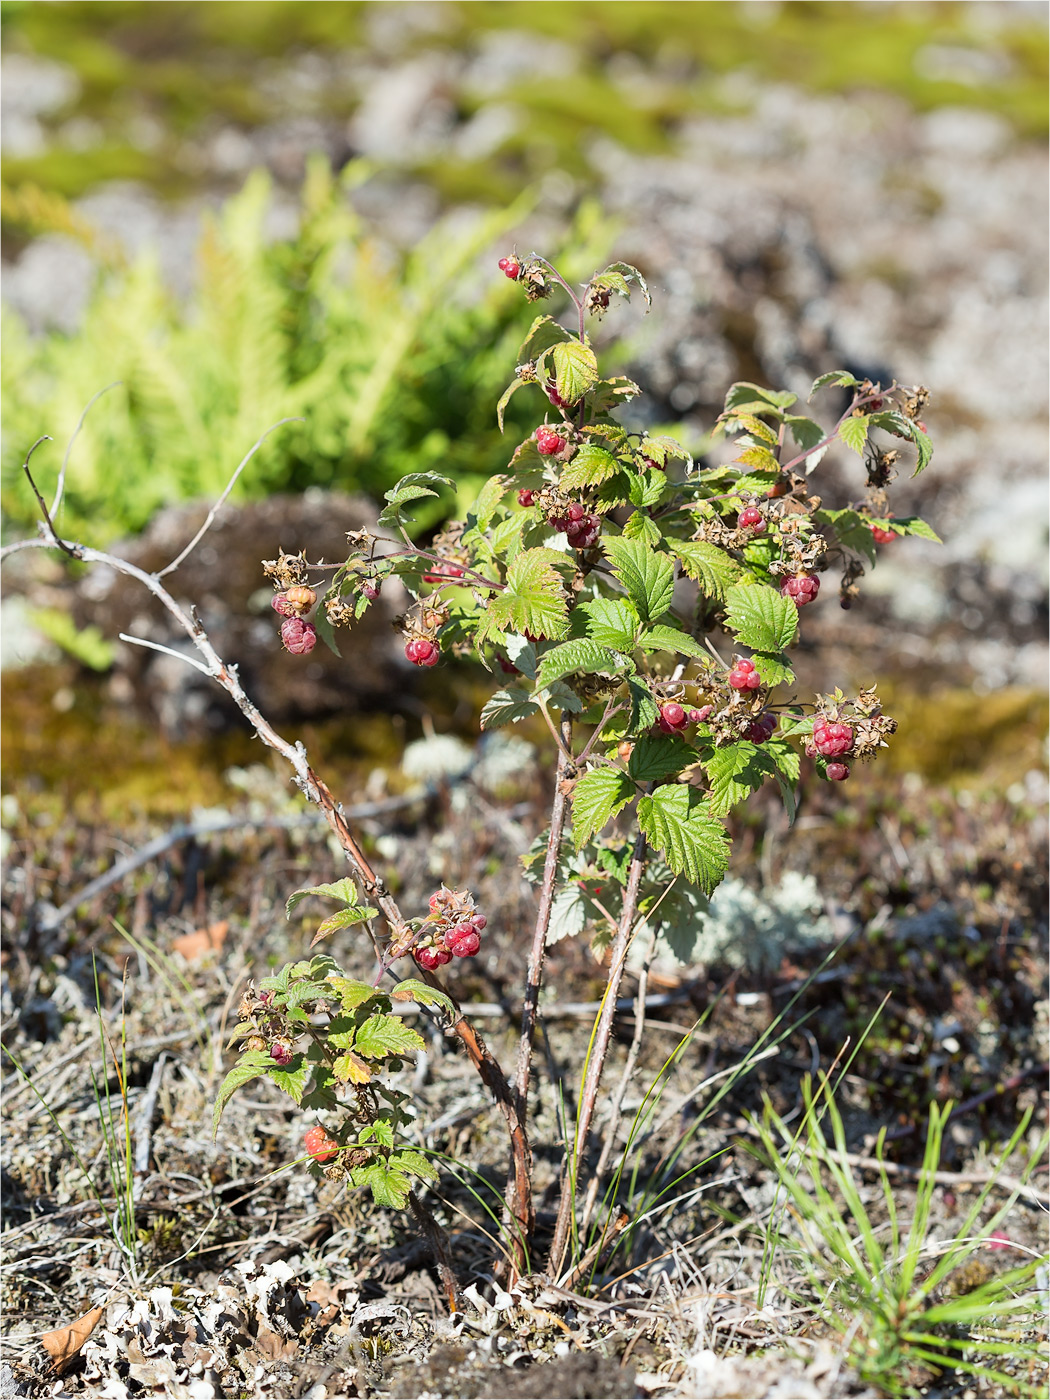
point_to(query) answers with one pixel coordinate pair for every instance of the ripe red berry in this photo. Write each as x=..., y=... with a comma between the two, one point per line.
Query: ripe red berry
x=751, y=519
x=762, y=728
x=800, y=588
x=281, y=1052
x=510, y=267
x=581, y=533
x=280, y=604
x=463, y=941
x=371, y=591
x=882, y=536
x=832, y=739
x=480, y=922
x=548, y=441
x=673, y=718
x=319, y=1145
x=653, y=465
x=508, y=667
x=551, y=390
x=743, y=676
x=423, y=652
x=526, y=497
x=837, y=772
x=432, y=958
x=299, y=637
x=576, y=512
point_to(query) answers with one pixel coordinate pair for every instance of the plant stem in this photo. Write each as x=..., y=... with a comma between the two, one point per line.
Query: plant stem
x=596, y=1060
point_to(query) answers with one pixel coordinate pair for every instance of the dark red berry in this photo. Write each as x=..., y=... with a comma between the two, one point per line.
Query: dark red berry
x=653, y=465
x=800, y=588
x=743, y=676
x=526, y=497
x=510, y=267
x=762, y=728
x=582, y=532
x=551, y=389
x=423, y=652
x=281, y=1052
x=319, y=1145
x=832, y=739
x=432, y=958
x=549, y=442
x=837, y=772
x=463, y=941
x=751, y=519
x=280, y=604
x=698, y=716
x=673, y=718
x=576, y=512
x=299, y=637
x=371, y=591
x=507, y=667
x=882, y=536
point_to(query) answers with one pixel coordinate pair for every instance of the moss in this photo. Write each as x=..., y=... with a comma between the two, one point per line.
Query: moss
x=955, y=736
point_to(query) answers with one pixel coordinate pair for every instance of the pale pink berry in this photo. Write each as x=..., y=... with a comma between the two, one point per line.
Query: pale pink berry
x=299, y=637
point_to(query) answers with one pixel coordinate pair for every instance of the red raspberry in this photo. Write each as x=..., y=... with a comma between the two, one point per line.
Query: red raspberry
x=837, y=772
x=762, y=728
x=551, y=390
x=549, y=442
x=800, y=588
x=432, y=958
x=510, y=267
x=652, y=465
x=526, y=497
x=743, y=676
x=442, y=573
x=438, y=900
x=582, y=533
x=673, y=718
x=319, y=1145
x=371, y=591
x=422, y=652
x=751, y=519
x=299, y=637
x=831, y=739
x=280, y=604
x=281, y=1052
x=882, y=536
x=480, y=922
x=698, y=716
x=576, y=512
x=463, y=941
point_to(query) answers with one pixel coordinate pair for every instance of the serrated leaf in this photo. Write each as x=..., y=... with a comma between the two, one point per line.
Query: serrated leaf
x=507, y=707
x=408, y=1160
x=505, y=399
x=785, y=756
x=543, y=333
x=349, y=1068
x=614, y=492
x=773, y=667
x=533, y=600
x=854, y=431
x=711, y=567
x=608, y=394
x=352, y=993
x=487, y=501
x=676, y=823
x=640, y=526
x=759, y=457
x=661, y=448
x=841, y=378
x=388, y=1186
x=743, y=393
x=644, y=709
x=671, y=639
x=614, y=622
x=575, y=369
x=589, y=467
x=412, y=989
x=596, y=799
x=412, y=487
x=631, y=273
x=568, y=914
x=734, y=772
x=580, y=654
x=251, y=1065
x=756, y=427
x=647, y=576
x=646, y=489
x=291, y=1079
x=657, y=756
x=852, y=529
x=901, y=426
x=761, y=618
x=342, y=918
x=808, y=434
x=561, y=697
x=344, y=890
x=522, y=653
x=383, y=1035
x=912, y=525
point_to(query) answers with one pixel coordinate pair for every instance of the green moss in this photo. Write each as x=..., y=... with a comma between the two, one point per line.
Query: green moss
x=956, y=736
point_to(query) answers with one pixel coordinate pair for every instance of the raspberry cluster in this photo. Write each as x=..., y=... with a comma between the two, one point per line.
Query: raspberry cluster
x=800, y=588
x=831, y=739
x=299, y=637
x=674, y=717
x=751, y=519
x=510, y=267
x=548, y=442
x=743, y=676
x=762, y=728
x=319, y=1145
x=580, y=527
x=526, y=497
x=882, y=536
x=453, y=930
x=421, y=651
x=444, y=573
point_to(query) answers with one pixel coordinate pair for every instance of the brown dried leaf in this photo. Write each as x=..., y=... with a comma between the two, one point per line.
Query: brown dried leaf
x=195, y=945
x=273, y=1347
x=64, y=1343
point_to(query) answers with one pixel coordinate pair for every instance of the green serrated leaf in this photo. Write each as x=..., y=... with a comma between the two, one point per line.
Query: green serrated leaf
x=388, y=1186
x=841, y=378
x=590, y=466
x=561, y=697
x=901, y=426
x=251, y=1065
x=761, y=618
x=344, y=890
x=677, y=824
x=383, y=1035
x=742, y=394
x=911, y=525
x=808, y=434
x=786, y=758
x=291, y=1079
x=647, y=576
x=644, y=709
x=854, y=431
x=608, y=394
x=773, y=667
x=412, y=989
x=505, y=399
x=671, y=639
x=507, y=707
x=408, y=1160
x=734, y=772
x=487, y=501
x=575, y=369
x=852, y=529
x=412, y=487
x=580, y=654
x=596, y=798
x=756, y=427
x=758, y=457
x=352, y=993
x=711, y=567
x=630, y=273
x=614, y=622
x=533, y=600
x=543, y=333
x=640, y=526
x=343, y=918
x=658, y=756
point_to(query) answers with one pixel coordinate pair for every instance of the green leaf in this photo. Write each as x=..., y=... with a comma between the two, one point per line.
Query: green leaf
x=759, y=617
x=807, y=434
x=640, y=526
x=389, y=1186
x=785, y=756
x=543, y=333
x=251, y=1065
x=711, y=567
x=841, y=378
x=736, y=771
x=487, y=501
x=291, y=1079
x=383, y=1035
x=852, y=529
x=647, y=576
x=608, y=394
x=507, y=707
x=644, y=709
x=412, y=989
x=561, y=697
x=412, y=487
x=854, y=431
x=505, y=399
x=646, y=489
x=614, y=622
x=630, y=274
x=596, y=799
x=589, y=467
x=349, y=1068
x=614, y=492
x=407, y=1160
x=671, y=639
x=568, y=913
x=581, y=654
x=758, y=457
x=911, y=525
x=533, y=600
x=344, y=890
x=677, y=824
x=343, y=918
x=744, y=393
x=901, y=426
x=352, y=993
x=773, y=667
x=756, y=427
x=657, y=756
x=575, y=369
x=661, y=449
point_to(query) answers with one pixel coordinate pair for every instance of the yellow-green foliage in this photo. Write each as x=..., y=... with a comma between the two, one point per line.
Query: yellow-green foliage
x=391, y=365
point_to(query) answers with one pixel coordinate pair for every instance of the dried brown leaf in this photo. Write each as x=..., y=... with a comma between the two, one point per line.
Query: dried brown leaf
x=64, y=1343
x=195, y=945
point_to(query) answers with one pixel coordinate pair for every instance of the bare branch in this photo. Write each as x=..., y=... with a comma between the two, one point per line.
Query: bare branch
x=170, y=568
x=61, y=486
x=169, y=651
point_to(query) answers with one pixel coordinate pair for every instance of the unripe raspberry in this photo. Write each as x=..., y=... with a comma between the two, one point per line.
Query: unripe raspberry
x=423, y=652
x=751, y=519
x=463, y=941
x=281, y=1052
x=673, y=718
x=280, y=604
x=432, y=958
x=800, y=588
x=882, y=536
x=319, y=1145
x=299, y=637
x=548, y=441
x=837, y=772
x=832, y=740
x=743, y=676
x=526, y=497
x=301, y=598
x=510, y=267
